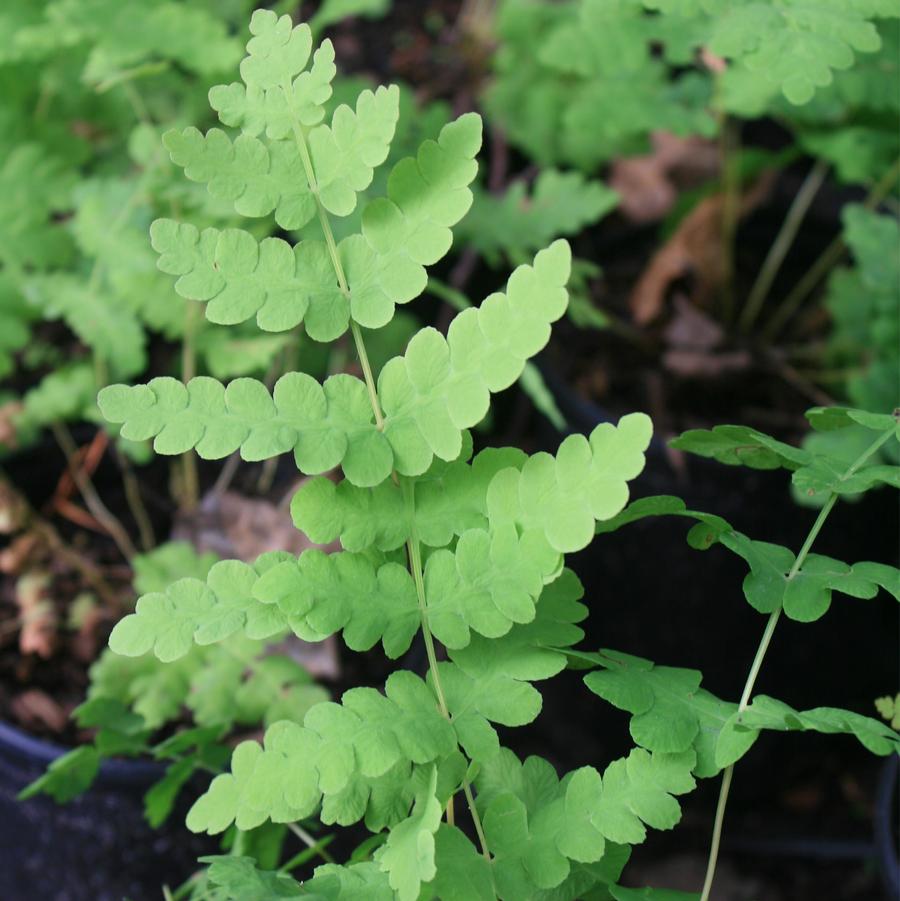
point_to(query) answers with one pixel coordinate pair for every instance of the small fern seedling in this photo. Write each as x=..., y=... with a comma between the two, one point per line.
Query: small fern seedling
x=466, y=551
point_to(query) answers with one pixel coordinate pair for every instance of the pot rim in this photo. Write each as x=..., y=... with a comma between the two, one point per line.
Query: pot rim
x=16, y=742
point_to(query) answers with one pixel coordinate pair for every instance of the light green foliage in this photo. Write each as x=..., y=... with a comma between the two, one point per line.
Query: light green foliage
x=864, y=302
x=816, y=473
x=462, y=873
x=536, y=825
x=489, y=681
x=449, y=499
x=67, y=776
x=466, y=551
x=239, y=878
x=123, y=35
x=438, y=388
x=314, y=596
x=671, y=713
x=851, y=122
x=15, y=324
x=342, y=751
x=332, y=11
x=408, y=854
x=593, y=89
x=798, y=45
x=889, y=708
x=33, y=186
x=519, y=222
x=153, y=571
x=113, y=333
x=258, y=179
x=581, y=81
x=769, y=713
x=560, y=498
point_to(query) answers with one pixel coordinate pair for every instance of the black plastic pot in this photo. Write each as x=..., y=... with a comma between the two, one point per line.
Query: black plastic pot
x=98, y=847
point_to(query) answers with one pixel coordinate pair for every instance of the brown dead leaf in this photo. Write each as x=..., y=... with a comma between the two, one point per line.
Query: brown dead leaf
x=239, y=527
x=33, y=708
x=243, y=528
x=8, y=434
x=695, y=250
x=691, y=328
x=22, y=551
x=13, y=509
x=38, y=634
x=703, y=364
x=648, y=185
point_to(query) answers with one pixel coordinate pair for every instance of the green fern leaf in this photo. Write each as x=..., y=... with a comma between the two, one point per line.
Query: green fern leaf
x=345, y=154
x=330, y=12
x=797, y=44
x=670, y=712
x=449, y=499
x=430, y=395
x=33, y=186
x=536, y=825
x=367, y=735
x=240, y=880
x=239, y=277
x=462, y=873
x=409, y=852
x=490, y=581
x=257, y=179
x=488, y=681
x=561, y=497
x=442, y=386
x=768, y=713
x=110, y=330
x=315, y=596
x=518, y=223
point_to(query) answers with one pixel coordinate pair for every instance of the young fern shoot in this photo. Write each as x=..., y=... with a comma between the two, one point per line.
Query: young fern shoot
x=469, y=551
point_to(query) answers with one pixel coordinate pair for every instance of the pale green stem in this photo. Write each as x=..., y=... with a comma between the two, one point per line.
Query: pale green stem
x=782, y=244
x=764, y=643
x=188, y=371
x=310, y=841
x=476, y=819
x=136, y=503
x=82, y=480
x=415, y=558
x=300, y=139
x=829, y=258
x=415, y=566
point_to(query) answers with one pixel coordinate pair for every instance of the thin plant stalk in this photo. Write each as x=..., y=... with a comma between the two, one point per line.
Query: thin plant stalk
x=310, y=841
x=782, y=244
x=829, y=258
x=91, y=497
x=136, y=503
x=413, y=550
x=729, y=164
x=755, y=667
x=191, y=481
